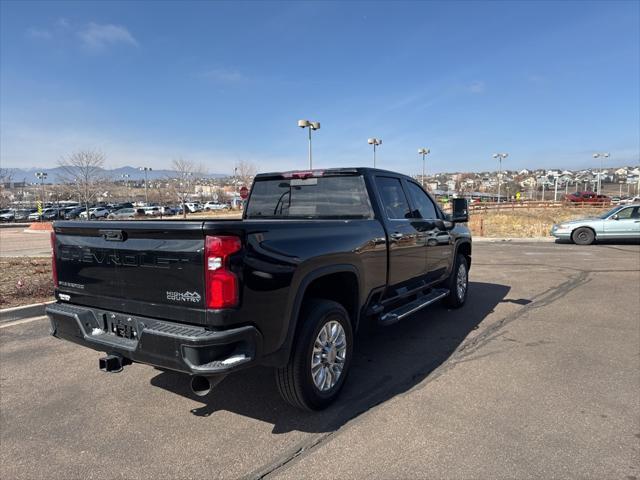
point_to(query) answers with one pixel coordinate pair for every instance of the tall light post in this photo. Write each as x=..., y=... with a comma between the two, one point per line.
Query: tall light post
x=424, y=152
x=311, y=126
x=601, y=156
x=146, y=193
x=500, y=157
x=375, y=142
x=125, y=179
x=42, y=177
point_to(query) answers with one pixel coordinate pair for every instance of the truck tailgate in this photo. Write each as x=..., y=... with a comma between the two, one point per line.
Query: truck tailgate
x=140, y=267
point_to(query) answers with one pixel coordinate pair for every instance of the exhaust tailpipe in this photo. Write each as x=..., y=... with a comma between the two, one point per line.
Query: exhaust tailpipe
x=202, y=386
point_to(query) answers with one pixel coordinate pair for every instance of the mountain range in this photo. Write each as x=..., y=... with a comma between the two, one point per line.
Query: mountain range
x=29, y=174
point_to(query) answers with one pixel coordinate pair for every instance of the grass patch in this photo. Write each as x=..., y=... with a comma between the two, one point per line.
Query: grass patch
x=524, y=223
x=25, y=280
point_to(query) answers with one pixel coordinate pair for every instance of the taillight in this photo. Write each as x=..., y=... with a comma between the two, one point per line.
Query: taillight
x=221, y=283
x=54, y=269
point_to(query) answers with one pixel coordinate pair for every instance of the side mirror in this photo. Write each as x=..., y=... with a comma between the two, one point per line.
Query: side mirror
x=615, y=217
x=460, y=210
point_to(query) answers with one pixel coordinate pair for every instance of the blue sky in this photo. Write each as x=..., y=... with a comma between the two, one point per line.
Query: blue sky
x=216, y=82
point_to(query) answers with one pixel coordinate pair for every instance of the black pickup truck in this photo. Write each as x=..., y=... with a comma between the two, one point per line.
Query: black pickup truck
x=316, y=254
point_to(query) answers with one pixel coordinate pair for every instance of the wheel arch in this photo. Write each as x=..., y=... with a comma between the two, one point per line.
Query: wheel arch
x=340, y=283
x=464, y=248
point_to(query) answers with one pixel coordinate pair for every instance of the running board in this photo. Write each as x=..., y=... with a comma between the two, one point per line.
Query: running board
x=399, y=313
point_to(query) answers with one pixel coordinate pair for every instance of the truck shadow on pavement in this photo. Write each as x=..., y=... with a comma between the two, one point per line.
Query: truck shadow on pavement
x=388, y=362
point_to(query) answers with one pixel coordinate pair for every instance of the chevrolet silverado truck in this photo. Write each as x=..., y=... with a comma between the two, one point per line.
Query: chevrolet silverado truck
x=315, y=256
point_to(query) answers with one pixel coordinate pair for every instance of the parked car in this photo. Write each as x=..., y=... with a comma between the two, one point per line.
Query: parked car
x=7, y=215
x=167, y=210
x=152, y=211
x=120, y=206
x=47, y=214
x=94, y=213
x=215, y=206
x=316, y=255
x=621, y=222
x=630, y=201
x=587, y=197
x=193, y=207
x=74, y=213
x=23, y=214
x=122, y=214
x=50, y=214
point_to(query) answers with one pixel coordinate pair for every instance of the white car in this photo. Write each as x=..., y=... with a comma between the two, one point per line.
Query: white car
x=193, y=207
x=154, y=211
x=630, y=201
x=96, y=212
x=215, y=206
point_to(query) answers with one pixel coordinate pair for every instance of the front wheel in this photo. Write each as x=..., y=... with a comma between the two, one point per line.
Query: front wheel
x=458, y=283
x=320, y=358
x=583, y=236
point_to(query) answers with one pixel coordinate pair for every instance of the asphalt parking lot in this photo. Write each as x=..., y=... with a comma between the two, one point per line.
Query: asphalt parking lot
x=537, y=376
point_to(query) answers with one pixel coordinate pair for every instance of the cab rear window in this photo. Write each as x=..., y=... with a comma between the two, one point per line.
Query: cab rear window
x=315, y=197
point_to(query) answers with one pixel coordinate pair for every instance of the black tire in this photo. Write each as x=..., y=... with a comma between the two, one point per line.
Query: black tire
x=583, y=236
x=92, y=217
x=295, y=381
x=456, y=298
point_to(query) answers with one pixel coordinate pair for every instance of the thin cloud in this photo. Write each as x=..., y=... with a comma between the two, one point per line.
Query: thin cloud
x=62, y=23
x=99, y=37
x=224, y=76
x=39, y=33
x=476, y=87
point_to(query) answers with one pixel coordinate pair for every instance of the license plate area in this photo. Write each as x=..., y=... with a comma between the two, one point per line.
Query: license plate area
x=121, y=326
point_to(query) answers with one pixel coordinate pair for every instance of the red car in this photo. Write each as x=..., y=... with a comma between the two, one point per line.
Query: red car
x=587, y=197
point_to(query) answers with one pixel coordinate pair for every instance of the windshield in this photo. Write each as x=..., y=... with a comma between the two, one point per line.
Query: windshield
x=610, y=212
x=317, y=197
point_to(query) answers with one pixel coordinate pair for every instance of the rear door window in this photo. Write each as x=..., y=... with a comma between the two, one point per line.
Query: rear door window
x=394, y=200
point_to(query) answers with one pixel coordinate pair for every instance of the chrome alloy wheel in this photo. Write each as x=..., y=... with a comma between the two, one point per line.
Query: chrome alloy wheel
x=461, y=281
x=329, y=355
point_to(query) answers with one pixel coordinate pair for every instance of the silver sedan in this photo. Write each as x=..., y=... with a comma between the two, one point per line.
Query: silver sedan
x=622, y=222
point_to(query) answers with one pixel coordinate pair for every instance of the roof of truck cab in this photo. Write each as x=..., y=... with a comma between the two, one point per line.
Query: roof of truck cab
x=343, y=170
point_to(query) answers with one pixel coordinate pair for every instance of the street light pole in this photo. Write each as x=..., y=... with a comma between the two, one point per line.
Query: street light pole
x=424, y=152
x=126, y=176
x=375, y=142
x=146, y=193
x=311, y=126
x=41, y=176
x=500, y=157
x=601, y=156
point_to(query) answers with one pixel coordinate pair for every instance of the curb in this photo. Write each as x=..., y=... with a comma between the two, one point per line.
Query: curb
x=25, y=311
x=514, y=239
x=14, y=225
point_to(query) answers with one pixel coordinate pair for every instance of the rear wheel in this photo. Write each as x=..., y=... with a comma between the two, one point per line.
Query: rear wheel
x=458, y=283
x=583, y=236
x=320, y=358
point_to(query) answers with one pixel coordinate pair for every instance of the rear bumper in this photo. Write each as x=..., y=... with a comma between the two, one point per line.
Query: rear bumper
x=173, y=346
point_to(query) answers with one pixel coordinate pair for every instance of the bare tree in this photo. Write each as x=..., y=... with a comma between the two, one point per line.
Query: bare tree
x=244, y=172
x=6, y=176
x=183, y=183
x=83, y=174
